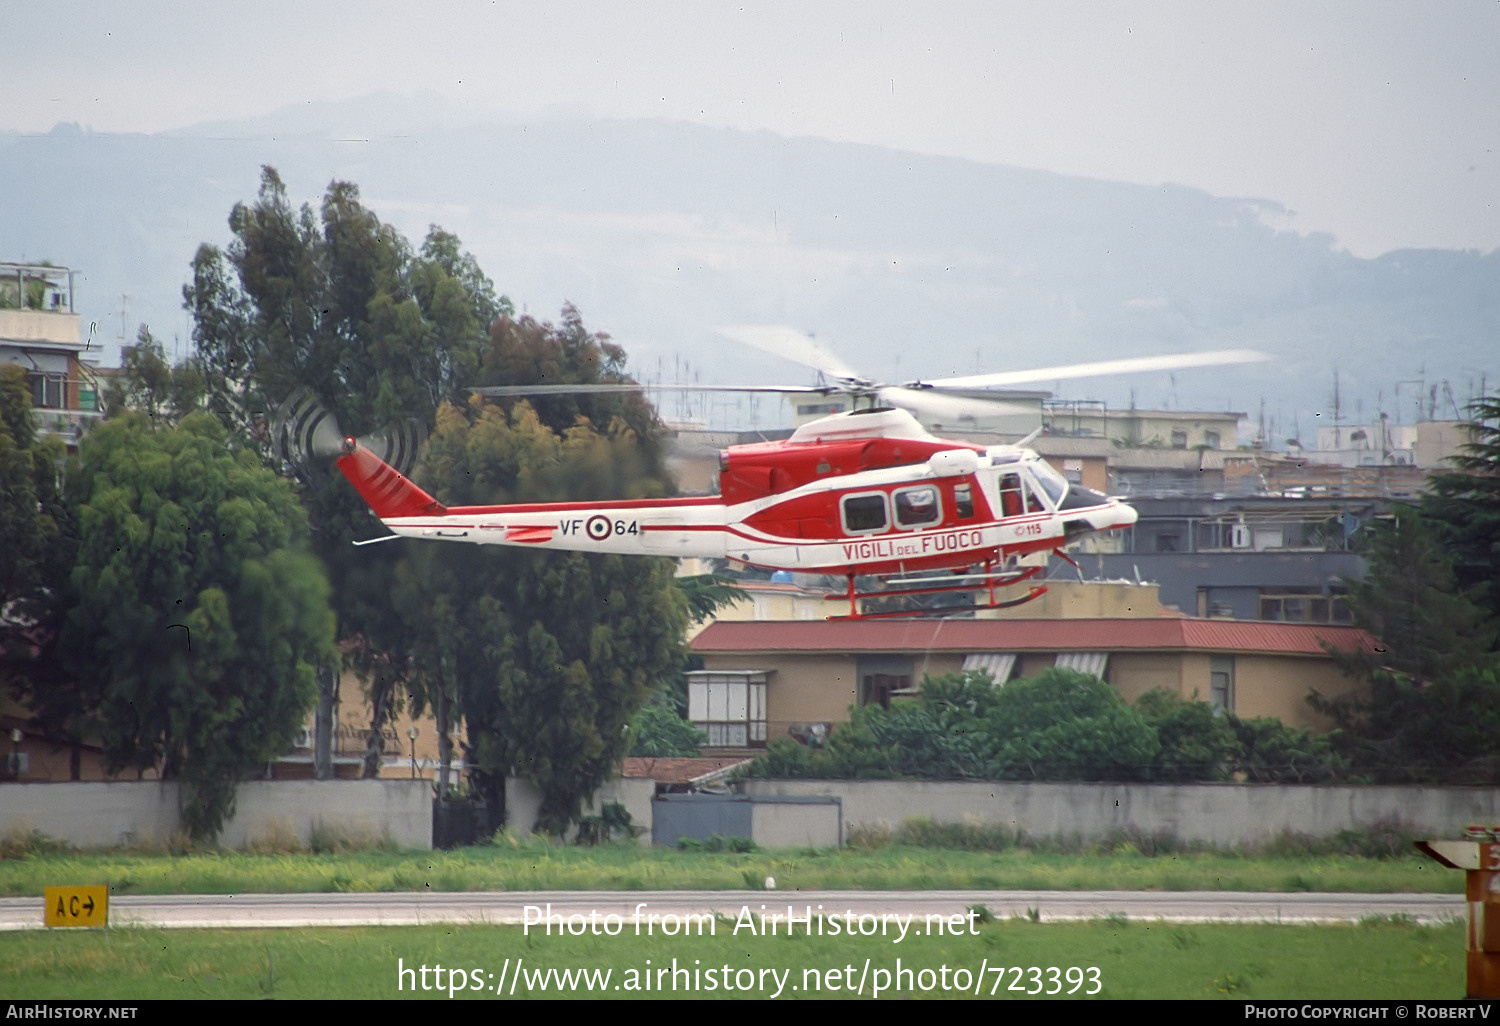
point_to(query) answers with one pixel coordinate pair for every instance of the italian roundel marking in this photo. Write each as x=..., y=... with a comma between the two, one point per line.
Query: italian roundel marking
x=598, y=528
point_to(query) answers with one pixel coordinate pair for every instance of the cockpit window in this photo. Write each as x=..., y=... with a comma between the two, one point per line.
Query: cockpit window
x=1049, y=480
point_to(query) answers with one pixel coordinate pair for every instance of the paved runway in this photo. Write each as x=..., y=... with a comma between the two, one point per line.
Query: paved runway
x=577, y=908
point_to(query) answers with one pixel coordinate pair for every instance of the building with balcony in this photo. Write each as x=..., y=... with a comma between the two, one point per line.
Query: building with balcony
x=39, y=331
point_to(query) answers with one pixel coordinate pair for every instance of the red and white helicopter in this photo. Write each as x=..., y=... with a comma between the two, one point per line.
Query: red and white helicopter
x=858, y=493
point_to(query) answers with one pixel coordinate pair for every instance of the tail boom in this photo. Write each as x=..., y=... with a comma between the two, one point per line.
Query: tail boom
x=635, y=527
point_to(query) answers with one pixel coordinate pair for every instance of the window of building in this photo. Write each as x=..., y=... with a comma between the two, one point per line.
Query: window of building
x=1091, y=663
x=1211, y=439
x=729, y=706
x=917, y=507
x=1179, y=439
x=1001, y=666
x=1221, y=683
x=49, y=391
x=880, y=688
x=882, y=678
x=864, y=513
x=1304, y=608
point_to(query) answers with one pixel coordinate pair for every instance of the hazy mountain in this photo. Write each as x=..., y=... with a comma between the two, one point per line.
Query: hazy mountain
x=908, y=265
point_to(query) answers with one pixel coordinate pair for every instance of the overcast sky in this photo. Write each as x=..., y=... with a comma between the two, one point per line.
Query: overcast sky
x=1377, y=122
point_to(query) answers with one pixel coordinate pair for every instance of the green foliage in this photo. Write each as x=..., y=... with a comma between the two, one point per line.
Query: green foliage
x=657, y=731
x=1430, y=708
x=149, y=385
x=1271, y=752
x=1195, y=743
x=706, y=594
x=194, y=617
x=1405, y=731
x=31, y=515
x=716, y=843
x=1058, y=725
x=1065, y=725
x=1410, y=601
x=551, y=654
x=785, y=758
x=1464, y=506
x=612, y=820
x=336, y=302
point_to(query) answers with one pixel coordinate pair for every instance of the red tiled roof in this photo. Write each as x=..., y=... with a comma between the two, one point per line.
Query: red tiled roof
x=667, y=770
x=1145, y=634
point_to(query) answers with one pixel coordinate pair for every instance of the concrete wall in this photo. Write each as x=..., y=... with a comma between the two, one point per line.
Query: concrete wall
x=798, y=824
x=523, y=802
x=1219, y=814
x=1081, y=600
x=103, y=815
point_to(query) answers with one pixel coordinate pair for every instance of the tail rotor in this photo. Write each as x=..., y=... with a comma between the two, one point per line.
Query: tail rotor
x=305, y=435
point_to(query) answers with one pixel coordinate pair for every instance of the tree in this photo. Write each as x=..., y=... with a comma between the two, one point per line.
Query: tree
x=1430, y=704
x=149, y=385
x=30, y=506
x=659, y=731
x=1195, y=743
x=548, y=655
x=1058, y=725
x=1464, y=506
x=195, y=616
x=1270, y=752
x=545, y=657
x=1065, y=725
x=337, y=303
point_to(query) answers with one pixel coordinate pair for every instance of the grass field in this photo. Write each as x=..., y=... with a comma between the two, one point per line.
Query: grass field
x=1113, y=958
x=540, y=866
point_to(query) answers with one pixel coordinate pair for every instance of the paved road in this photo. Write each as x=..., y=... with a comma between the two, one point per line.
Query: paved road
x=407, y=909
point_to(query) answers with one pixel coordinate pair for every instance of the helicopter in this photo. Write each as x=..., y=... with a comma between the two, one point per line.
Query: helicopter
x=865, y=492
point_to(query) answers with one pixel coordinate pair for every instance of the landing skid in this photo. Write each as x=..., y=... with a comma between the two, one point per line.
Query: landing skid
x=966, y=584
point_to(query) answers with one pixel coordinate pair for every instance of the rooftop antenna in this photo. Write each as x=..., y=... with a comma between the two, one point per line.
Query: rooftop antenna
x=1338, y=438
x=124, y=316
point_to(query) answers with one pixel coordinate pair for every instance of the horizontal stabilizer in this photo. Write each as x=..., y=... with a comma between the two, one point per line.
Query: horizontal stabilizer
x=529, y=534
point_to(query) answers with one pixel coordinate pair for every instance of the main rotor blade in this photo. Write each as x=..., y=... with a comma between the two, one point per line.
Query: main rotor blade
x=604, y=388
x=790, y=344
x=1134, y=365
x=935, y=406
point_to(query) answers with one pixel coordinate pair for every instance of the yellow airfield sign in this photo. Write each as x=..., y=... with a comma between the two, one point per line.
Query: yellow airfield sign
x=77, y=906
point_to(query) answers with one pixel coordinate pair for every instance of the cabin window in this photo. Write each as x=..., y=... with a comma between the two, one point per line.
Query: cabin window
x=963, y=501
x=865, y=513
x=917, y=507
x=1012, y=498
